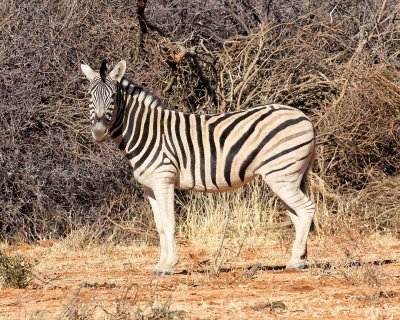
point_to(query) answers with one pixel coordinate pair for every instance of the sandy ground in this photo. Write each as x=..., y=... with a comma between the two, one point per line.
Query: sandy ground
x=343, y=280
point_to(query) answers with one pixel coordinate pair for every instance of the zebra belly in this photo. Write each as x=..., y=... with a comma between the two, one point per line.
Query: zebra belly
x=186, y=183
x=235, y=184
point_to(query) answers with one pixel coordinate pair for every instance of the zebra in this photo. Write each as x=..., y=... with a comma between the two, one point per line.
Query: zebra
x=168, y=150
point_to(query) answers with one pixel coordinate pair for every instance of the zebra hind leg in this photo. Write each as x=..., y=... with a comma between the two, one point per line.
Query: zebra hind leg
x=301, y=211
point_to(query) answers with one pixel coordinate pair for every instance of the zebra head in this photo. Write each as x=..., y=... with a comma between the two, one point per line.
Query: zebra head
x=103, y=91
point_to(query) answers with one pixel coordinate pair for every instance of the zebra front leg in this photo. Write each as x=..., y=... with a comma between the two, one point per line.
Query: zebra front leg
x=157, y=218
x=165, y=201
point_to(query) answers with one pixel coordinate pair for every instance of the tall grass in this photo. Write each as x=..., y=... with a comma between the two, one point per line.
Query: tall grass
x=248, y=213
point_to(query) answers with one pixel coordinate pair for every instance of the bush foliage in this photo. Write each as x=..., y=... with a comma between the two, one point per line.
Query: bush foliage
x=338, y=61
x=15, y=271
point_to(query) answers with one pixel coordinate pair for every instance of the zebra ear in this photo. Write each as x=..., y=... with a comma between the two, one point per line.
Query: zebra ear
x=87, y=71
x=118, y=72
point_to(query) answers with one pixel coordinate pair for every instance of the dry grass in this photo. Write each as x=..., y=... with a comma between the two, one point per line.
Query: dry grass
x=222, y=224
x=252, y=211
x=125, y=307
x=356, y=264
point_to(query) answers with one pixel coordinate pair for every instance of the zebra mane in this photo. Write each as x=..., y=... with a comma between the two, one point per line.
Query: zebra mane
x=125, y=86
x=105, y=68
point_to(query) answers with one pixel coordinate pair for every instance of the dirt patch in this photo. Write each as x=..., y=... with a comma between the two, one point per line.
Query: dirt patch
x=102, y=281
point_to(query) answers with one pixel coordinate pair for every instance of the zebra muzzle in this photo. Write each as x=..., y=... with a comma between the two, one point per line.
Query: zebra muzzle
x=99, y=131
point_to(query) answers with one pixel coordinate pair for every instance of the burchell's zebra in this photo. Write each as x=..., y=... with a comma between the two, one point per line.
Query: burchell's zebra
x=170, y=149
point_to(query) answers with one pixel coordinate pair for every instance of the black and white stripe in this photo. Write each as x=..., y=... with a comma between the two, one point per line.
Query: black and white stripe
x=170, y=149
x=208, y=152
x=102, y=97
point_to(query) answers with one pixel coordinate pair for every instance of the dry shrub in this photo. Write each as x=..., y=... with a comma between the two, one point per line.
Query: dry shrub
x=53, y=178
x=378, y=205
x=336, y=60
x=360, y=134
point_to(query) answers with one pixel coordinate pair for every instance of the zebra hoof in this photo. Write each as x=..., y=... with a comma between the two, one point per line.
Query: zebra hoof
x=162, y=273
x=296, y=266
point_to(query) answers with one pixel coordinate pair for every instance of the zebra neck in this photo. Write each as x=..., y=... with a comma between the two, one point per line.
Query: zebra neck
x=138, y=120
x=115, y=127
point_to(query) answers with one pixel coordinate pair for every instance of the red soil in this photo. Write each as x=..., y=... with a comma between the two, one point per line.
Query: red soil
x=98, y=282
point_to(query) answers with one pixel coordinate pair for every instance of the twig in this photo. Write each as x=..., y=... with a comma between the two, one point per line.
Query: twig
x=252, y=271
x=215, y=262
x=171, y=82
x=331, y=13
x=47, y=282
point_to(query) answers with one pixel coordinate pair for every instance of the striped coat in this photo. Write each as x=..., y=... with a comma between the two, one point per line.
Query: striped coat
x=208, y=152
x=169, y=149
